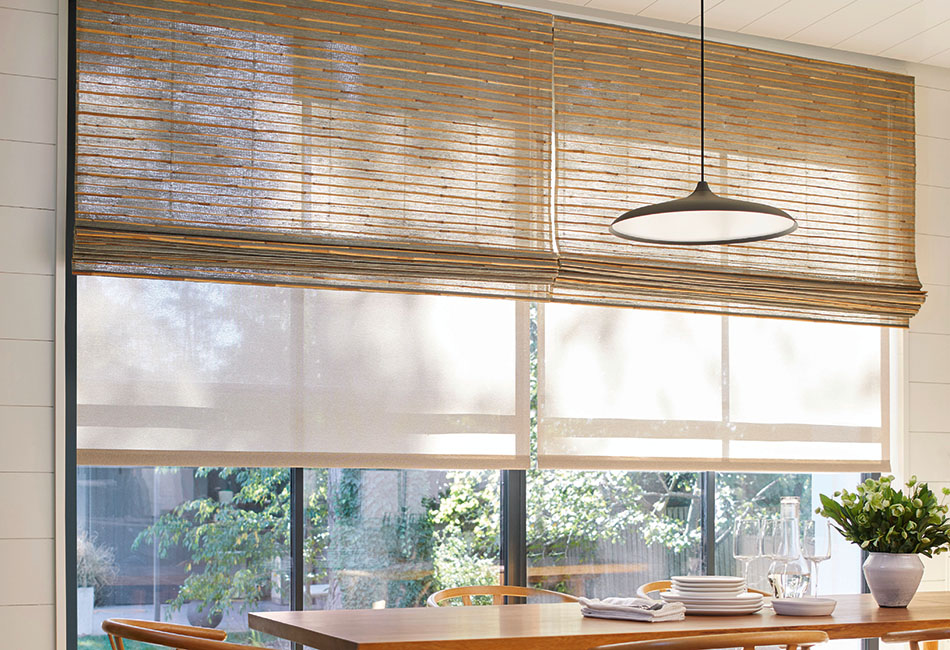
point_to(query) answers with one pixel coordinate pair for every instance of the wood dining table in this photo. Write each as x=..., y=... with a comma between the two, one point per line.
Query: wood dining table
x=561, y=625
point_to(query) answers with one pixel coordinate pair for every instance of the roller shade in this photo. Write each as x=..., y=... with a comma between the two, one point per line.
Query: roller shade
x=659, y=390
x=831, y=144
x=370, y=144
x=185, y=374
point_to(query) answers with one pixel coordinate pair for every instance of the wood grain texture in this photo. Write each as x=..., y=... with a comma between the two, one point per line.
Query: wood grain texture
x=788, y=639
x=561, y=625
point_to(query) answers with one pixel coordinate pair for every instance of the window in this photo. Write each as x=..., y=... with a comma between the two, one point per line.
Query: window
x=390, y=538
x=198, y=546
x=162, y=362
x=605, y=533
x=205, y=546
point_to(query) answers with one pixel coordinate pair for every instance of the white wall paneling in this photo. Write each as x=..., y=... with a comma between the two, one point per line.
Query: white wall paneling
x=28, y=626
x=27, y=174
x=29, y=133
x=19, y=518
x=25, y=441
x=27, y=301
x=933, y=209
x=25, y=44
x=32, y=117
x=28, y=566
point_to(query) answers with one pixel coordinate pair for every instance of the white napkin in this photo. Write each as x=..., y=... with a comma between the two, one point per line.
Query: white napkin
x=633, y=609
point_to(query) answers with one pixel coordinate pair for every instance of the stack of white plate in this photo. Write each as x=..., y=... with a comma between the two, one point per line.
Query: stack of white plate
x=716, y=595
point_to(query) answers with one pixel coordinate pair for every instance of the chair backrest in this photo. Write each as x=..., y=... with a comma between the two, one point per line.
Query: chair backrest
x=918, y=639
x=790, y=639
x=643, y=591
x=496, y=592
x=181, y=637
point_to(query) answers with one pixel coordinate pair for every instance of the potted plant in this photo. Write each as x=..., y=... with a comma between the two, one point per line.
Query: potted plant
x=895, y=528
x=95, y=570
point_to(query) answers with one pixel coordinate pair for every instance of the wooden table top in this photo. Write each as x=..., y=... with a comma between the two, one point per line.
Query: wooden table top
x=561, y=625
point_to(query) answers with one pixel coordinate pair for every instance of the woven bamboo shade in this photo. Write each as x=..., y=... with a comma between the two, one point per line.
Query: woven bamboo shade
x=405, y=146
x=370, y=144
x=831, y=144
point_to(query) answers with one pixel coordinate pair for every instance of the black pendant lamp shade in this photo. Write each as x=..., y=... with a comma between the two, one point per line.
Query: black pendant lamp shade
x=703, y=217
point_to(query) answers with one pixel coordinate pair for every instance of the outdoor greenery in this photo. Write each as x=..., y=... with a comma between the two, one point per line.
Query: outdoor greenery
x=95, y=565
x=232, y=545
x=450, y=539
x=884, y=520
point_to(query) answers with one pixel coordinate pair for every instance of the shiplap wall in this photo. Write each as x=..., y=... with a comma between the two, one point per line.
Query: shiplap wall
x=28, y=200
x=927, y=437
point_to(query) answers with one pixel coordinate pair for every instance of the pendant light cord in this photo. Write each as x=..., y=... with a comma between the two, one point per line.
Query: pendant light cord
x=702, y=91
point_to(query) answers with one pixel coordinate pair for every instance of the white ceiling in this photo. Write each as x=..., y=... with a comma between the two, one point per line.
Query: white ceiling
x=908, y=30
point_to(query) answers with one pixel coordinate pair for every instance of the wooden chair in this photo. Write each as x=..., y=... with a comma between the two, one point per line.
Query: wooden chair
x=791, y=640
x=918, y=639
x=643, y=591
x=495, y=591
x=181, y=637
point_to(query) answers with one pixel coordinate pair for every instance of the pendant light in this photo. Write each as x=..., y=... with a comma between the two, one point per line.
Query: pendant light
x=703, y=217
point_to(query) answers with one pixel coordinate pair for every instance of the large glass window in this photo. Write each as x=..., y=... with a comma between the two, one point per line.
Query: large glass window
x=198, y=546
x=604, y=533
x=162, y=362
x=205, y=546
x=390, y=538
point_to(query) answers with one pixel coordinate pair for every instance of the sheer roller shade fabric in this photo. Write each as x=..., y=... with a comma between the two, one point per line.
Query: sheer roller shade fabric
x=659, y=390
x=173, y=373
x=407, y=147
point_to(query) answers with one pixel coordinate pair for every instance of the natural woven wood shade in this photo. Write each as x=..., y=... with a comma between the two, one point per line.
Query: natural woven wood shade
x=831, y=144
x=368, y=144
x=406, y=146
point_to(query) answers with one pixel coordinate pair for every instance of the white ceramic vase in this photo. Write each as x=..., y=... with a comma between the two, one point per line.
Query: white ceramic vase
x=893, y=577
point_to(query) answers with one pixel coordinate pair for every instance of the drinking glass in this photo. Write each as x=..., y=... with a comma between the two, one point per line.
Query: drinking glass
x=770, y=537
x=747, y=543
x=775, y=546
x=816, y=546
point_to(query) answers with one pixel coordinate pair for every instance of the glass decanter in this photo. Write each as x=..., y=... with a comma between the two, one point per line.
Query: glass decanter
x=788, y=574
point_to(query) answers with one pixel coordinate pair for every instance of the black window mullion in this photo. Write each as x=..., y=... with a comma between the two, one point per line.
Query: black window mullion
x=514, y=526
x=297, y=525
x=70, y=334
x=708, y=488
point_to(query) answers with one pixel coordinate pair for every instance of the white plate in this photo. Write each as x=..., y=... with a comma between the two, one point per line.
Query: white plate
x=715, y=611
x=711, y=606
x=718, y=595
x=737, y=589
x=804, y=606
x=708, y=580
x=745, y=599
